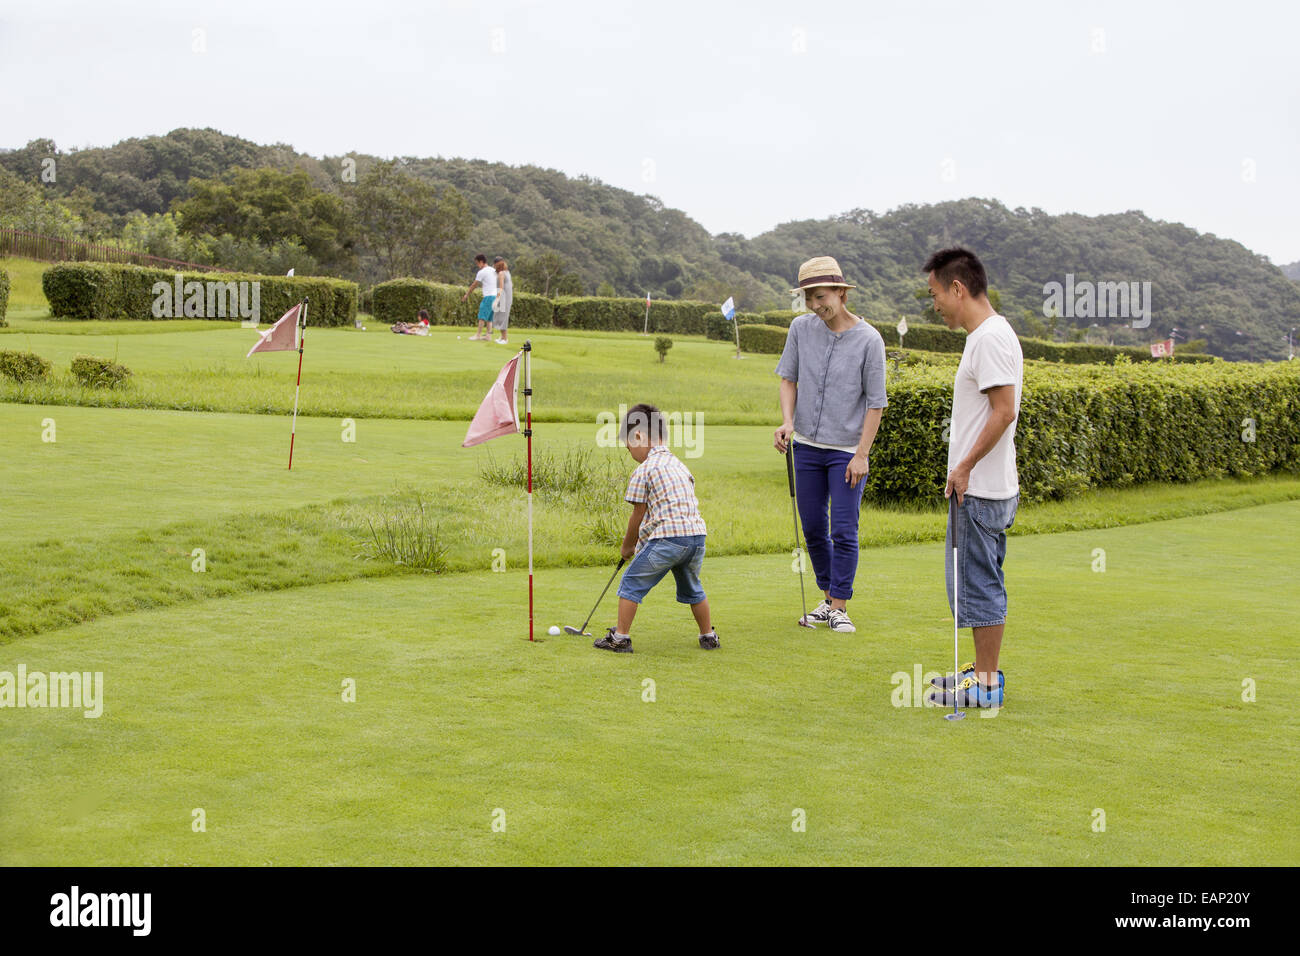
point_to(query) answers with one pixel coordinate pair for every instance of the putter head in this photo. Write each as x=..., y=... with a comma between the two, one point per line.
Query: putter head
x=958, y=715
x=804, y=622
x=575, y=630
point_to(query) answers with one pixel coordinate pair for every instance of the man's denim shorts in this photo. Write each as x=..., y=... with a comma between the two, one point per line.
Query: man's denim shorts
x=981, y=546
x=683, y=556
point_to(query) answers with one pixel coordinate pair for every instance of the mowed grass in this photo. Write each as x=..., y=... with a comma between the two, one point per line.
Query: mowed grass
x=1125, y=696
x=26, y=297
x=117, y=513
x=378, y=374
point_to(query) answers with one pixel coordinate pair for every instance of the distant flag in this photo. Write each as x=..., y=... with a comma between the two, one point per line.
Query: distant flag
x=729, y=309
x=289, y=273
x=281, y=337
x=902, y=326
x=647, y=300
x=498, y=414
x=1162, y=349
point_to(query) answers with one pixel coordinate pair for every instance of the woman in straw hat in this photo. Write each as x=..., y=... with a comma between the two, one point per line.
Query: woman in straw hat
x=832, y=396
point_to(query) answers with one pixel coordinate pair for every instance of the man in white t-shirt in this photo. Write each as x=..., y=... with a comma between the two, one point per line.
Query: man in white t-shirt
x=983, y=488
x=487, y=278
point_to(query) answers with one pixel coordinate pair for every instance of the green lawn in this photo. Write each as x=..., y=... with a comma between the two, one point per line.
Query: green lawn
x=1124, y=695
x=223, y=687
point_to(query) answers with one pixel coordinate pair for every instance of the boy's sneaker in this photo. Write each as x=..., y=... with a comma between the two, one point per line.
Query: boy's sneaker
x=967, y=670
x=709, y=641
x=840, y=622
x=619, y=645
x=969, y=693
x=820, y=614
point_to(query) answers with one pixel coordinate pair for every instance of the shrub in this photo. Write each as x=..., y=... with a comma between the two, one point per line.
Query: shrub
x=4, y=297
x=718, y=326
x=1099, y=425
x=768, y=339
x=662, y=344
x=110, y=291
x=24, y=366
x=99, y=373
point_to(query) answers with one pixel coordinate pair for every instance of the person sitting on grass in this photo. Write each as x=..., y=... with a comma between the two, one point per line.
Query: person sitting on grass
x=665, y=532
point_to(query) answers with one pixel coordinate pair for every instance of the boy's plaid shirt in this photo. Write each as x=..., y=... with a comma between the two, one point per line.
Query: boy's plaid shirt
x=668, y=490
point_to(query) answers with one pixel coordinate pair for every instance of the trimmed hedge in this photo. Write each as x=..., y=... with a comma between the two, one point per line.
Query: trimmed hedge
x=4, y=297
x=629, y=315
x=765, y=339
x=718, y=326
x=940, y=338
x=24, y=366
x=97, y=290
x=1101, y=426
x=95, y=372
x=399, y=300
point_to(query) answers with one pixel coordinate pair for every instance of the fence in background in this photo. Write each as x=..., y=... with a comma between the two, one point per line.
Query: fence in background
x=31, y=245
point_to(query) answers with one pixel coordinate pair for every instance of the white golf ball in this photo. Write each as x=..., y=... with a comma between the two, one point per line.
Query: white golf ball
x=553, y=630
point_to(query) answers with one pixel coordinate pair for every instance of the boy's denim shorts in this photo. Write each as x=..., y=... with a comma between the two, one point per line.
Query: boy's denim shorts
x=683, y=556
x=981, y=546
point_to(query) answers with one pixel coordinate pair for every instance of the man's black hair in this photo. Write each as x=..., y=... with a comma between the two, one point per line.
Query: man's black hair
x=481, y=258
x=960, y=264
x=645, y=419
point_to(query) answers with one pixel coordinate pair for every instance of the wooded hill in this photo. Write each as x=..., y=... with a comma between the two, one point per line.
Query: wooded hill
x=610, y=240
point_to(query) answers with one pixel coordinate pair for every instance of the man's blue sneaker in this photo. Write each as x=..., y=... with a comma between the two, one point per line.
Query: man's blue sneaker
x=969, y=693
x=967, y=670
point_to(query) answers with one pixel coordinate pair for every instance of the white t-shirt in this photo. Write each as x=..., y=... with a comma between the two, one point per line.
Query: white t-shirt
x=487, y=278
x=992, y=357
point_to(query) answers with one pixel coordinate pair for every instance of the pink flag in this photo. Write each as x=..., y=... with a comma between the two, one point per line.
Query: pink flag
x=498, y=415
x=279, y=337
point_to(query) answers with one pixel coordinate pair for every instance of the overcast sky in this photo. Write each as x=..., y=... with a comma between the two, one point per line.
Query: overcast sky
x=742, y=114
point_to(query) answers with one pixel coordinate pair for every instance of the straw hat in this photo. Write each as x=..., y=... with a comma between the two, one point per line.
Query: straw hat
x=821, y=270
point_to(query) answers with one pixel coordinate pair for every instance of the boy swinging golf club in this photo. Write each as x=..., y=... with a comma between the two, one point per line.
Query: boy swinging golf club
x=665, y=532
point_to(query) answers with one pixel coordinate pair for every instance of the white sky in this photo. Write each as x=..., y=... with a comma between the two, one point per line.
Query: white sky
x=730, y=111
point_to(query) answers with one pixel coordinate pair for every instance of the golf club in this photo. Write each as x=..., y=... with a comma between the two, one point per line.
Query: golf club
x=956, y=675
x=583, y=630
x=794, y=513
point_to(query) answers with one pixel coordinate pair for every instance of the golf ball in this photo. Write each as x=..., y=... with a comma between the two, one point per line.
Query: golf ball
x=553, y=630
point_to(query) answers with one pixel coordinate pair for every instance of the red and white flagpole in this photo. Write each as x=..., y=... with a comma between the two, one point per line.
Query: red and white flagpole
x=302, y=338
x=528, y=434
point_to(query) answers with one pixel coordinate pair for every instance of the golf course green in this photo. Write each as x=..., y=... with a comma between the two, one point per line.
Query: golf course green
x=331, y=665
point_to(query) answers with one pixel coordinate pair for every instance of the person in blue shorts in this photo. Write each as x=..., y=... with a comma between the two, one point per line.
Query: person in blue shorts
x=982, y=476
x=486, y=277
x=665, y=532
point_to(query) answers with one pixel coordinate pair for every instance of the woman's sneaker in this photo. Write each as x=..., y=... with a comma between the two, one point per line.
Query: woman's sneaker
x=840, y=622
x=820, y=614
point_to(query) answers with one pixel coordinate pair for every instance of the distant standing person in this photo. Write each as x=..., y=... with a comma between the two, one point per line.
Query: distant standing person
x=981, y=469
x=487, y=278
x=505, y=298
x=832, y=397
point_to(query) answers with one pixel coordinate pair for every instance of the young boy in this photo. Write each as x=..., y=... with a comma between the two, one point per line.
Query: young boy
x=665, y=532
